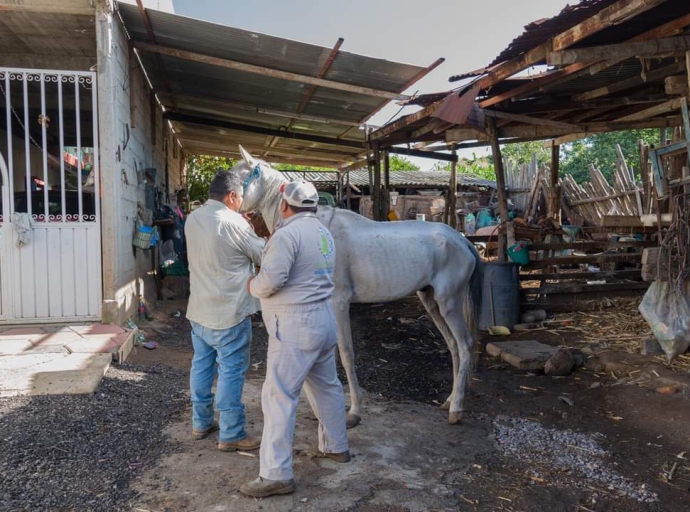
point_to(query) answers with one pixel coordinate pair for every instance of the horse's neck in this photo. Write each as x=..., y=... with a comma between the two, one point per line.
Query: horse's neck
x=270, y=203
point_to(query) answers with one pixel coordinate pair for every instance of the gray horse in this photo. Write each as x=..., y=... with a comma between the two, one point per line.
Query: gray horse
x=386, y=261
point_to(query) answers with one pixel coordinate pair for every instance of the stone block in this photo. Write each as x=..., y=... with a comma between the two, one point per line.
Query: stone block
x=522, y=354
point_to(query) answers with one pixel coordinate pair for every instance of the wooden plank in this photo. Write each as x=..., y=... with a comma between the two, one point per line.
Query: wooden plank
x=651, y=76
x=600, y=199
x=619, y=230
x=589, y=276
x=562, y=289
x=530, y=120
x=616, y=221
x=404, y=121
x=665, y=47
x=676, y=85
x=230, y=125
x=501, y=188
x=576, y=260
x=263, y=71
x=668, y=29
x=584, y=246
x=616, y=13
x=663, y=108
x=566, y=307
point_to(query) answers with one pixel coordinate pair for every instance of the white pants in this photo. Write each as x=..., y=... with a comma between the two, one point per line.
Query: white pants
x=301, y=351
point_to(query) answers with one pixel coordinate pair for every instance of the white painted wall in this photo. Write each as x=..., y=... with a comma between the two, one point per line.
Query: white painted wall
x=125, y=270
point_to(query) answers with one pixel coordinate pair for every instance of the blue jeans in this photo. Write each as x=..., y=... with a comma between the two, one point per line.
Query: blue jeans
x=225, y=352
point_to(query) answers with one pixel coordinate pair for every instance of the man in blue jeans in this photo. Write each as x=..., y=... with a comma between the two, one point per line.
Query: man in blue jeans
x=222, y=252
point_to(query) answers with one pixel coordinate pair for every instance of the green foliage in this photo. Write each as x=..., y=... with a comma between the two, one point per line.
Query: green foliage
x=481, y=167
x=575, y=158
x=400, y=163
x=200, y=172
x=521, y=153
x=293, y=167
x=600, y=150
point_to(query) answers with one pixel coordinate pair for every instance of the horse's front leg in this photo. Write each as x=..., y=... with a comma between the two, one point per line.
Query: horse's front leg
x=347, y=358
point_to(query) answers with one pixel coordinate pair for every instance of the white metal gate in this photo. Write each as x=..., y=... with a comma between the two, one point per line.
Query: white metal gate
x=49, y=138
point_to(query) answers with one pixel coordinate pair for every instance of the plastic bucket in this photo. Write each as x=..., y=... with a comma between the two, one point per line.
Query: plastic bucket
x=519, y=253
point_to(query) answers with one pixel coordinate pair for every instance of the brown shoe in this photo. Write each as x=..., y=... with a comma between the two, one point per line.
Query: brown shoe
x=247, y=444
x=337, y=457
x=262, y=488
x=197, y=435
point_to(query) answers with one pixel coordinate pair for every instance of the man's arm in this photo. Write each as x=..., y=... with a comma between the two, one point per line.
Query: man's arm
x=278, y=259
x=250, y=244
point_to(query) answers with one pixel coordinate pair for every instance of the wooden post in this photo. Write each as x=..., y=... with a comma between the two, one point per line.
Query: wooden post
x=348, y=191
x=554, y=203
x=644, y=172
x=385, y=191
x=501, y=187
x=453, y=189
x=376, y=194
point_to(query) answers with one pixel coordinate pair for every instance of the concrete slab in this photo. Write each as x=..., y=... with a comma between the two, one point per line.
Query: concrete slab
x=88, y=345
x=55, y=338
x=52, y=374
x=522, y=354
x=14, y=347
x=98, y=329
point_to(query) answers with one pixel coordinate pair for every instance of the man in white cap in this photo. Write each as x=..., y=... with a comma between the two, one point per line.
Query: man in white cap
x=295, y=286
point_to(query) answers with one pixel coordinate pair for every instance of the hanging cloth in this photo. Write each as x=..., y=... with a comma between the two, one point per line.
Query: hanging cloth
x=24, y=226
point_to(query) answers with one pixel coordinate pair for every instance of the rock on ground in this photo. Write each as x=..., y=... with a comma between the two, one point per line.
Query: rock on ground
x=559, y=364
x=522, y=354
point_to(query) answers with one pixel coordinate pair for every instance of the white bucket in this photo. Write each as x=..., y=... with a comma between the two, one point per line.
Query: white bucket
x=421, y=216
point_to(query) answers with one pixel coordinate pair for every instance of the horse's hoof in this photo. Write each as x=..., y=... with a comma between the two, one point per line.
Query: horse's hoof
x=445, y=406
x=353, y=420
x=455, y=417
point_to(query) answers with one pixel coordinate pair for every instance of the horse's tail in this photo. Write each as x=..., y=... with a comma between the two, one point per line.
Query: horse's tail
x=473, y=299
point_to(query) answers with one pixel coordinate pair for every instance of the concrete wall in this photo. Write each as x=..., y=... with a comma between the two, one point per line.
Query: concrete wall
x=124, y=268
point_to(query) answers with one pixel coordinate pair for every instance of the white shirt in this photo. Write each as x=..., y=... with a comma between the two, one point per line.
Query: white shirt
x=297, y=265
x=222, y=249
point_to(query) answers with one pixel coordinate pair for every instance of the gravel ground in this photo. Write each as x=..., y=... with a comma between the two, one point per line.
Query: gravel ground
x=81, y=452
x=575, y=458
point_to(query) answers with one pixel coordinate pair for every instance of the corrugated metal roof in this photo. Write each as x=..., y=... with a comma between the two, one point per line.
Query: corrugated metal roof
x=360, y=178
x=190, y=87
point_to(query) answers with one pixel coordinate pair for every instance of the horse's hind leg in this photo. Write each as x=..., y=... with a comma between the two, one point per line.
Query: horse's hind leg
x=429, y=302
x=451, y=309
x=347, y=358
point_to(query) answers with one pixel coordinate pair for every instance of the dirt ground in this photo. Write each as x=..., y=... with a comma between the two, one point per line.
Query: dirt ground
x=406, y=456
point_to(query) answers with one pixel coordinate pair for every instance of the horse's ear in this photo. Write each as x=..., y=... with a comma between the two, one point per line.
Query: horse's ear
x=249, y=159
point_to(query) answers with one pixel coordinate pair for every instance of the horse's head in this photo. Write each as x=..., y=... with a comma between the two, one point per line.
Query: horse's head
x=252, y=171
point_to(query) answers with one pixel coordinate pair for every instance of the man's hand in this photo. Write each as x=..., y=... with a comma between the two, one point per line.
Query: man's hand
x=249, y=284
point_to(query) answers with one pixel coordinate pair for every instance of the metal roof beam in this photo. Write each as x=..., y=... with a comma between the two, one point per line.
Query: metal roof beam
x=260, y=70
x=218, y=123
x=423, y=154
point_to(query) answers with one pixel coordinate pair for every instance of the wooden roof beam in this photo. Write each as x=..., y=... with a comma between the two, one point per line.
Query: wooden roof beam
x=219, y=123
x=403, y=88
x=651, y=76
x=263, y=71
x=656, y=47
x=668, y=29
x=664, y=108
x=307, y=154
x=613, y=14
x=544, y=132
x=530, y=120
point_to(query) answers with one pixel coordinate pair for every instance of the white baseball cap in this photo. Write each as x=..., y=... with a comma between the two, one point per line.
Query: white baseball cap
x=300, y=194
